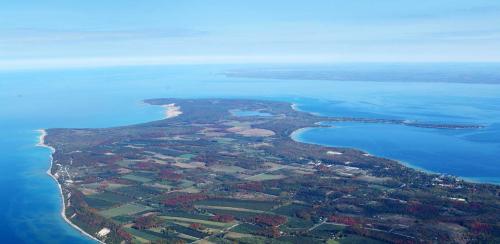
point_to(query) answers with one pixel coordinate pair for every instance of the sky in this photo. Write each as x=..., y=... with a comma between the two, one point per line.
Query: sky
x=53, y=33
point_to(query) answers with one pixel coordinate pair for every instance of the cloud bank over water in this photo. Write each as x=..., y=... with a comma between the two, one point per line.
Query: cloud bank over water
x=42, y=33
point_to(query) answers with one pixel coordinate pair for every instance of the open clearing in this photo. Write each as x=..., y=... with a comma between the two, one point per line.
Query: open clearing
x=142, y=236
x=230, y=208
x=190, y=165
x=227, y=169
x=200, y=221
x=136, y=178
x=236, y=235
x=127, y=209
x=264, y=176
x=244, y=131
x=235, y=203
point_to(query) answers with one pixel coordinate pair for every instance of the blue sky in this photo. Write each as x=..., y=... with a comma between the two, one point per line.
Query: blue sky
x=41, y=33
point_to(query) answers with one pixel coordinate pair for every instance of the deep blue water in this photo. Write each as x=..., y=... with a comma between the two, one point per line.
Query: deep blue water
x=112, y=96
x=449, y=151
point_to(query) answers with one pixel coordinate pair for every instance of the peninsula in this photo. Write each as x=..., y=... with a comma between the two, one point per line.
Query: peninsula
x=227, y=170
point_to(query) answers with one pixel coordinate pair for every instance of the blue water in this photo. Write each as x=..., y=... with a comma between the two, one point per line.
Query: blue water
x=450, y=151
x=112, y=96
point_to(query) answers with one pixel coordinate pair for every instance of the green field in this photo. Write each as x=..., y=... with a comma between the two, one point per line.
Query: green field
x=200, y=221
x=263, y=177
x=331, y=241
x=111, y=197
x=188, y=231
x=230, y=209
x=300, y=239
x=265, y=240
x=106, y=200
x=247, y=229
x=113, y=186
x=142, y=234
x=98, y=185
x=355, y=239
x=297, y=223
x=123, y=218
x=257, y=205
x=326, y=230
x=126, y=163
x=237, y=214
x=187, y=156
x=231, y=169
x=127, y=209
x=136, y=178
x=139, y=191
x=185, y=184
x=99, y=203
x=188, y=215
x=291, y=209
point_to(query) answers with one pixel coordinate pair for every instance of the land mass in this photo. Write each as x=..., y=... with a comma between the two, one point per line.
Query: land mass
x=227, y=170
x=421, y=73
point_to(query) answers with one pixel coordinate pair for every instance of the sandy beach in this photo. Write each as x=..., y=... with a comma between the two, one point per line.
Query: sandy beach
x=172, y=111
x=41, y=143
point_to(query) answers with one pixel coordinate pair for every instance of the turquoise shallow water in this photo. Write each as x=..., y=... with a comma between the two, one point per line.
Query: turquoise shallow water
x=112, y=96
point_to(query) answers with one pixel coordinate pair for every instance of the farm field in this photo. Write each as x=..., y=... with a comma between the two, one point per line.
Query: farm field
x=208, y=175
x=127, y=209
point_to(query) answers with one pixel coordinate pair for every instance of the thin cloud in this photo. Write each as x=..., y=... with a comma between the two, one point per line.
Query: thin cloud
x=466, y=35
x=58, y=63
x=36, y=35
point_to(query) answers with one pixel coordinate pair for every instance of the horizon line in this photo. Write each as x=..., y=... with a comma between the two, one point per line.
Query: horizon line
x=103, y=62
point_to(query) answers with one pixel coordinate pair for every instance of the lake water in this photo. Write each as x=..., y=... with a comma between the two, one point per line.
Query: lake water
x=112, y=96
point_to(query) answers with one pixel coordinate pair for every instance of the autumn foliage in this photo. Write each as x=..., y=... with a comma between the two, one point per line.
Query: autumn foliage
x=225, y=218
x=145, y=222
x=250, y=186
x=183, y=199
x=170, y=175
x=343, y=220
x=269, y=220
x=479, y=227
x=195, y=226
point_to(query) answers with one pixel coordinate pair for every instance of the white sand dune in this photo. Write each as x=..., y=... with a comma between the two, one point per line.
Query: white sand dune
x=172, y=111
x=41, y=143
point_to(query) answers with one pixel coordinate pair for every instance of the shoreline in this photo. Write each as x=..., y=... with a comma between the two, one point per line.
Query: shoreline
x=41, y=143
x=296, y=136
x=172, y=111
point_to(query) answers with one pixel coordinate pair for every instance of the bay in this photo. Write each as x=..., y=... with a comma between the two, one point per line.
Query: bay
x=105, y=97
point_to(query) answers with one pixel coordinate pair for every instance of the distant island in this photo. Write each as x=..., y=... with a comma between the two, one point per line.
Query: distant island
x=466, y=73
x=227, y=170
